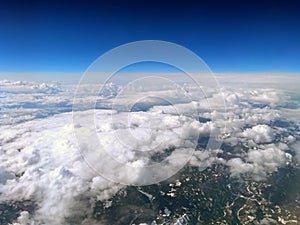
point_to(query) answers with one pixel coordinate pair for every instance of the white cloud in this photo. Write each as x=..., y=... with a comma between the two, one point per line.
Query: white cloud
x=45, y=155
x=260, y=133
x=29, y=87
x=41, y=160
x=258, y=163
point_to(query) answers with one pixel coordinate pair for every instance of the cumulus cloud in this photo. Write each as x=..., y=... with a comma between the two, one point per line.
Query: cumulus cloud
x=29, y=86
x=27, y=100
x=258, y=163
x=42, y=162
x=43, y=165
x=259, y=133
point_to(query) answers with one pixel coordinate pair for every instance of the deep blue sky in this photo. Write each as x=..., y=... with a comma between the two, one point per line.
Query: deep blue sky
x=230, y=36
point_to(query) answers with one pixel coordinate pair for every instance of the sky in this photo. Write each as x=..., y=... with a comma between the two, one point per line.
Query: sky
x=230, y=36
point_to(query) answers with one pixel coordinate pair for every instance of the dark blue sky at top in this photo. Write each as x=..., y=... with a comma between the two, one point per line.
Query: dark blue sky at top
x=230, y=36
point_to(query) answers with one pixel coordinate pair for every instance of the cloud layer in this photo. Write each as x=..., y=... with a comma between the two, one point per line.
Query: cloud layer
x=41, y=161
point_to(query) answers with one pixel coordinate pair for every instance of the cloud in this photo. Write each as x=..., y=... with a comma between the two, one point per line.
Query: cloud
x=29, y=86
x=259, y=134
x=28, y=100
x=258, y=163
x=41, y=161
x=43, y=164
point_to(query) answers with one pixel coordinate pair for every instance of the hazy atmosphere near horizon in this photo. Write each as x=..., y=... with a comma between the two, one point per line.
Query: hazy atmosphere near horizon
x=149, y=112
